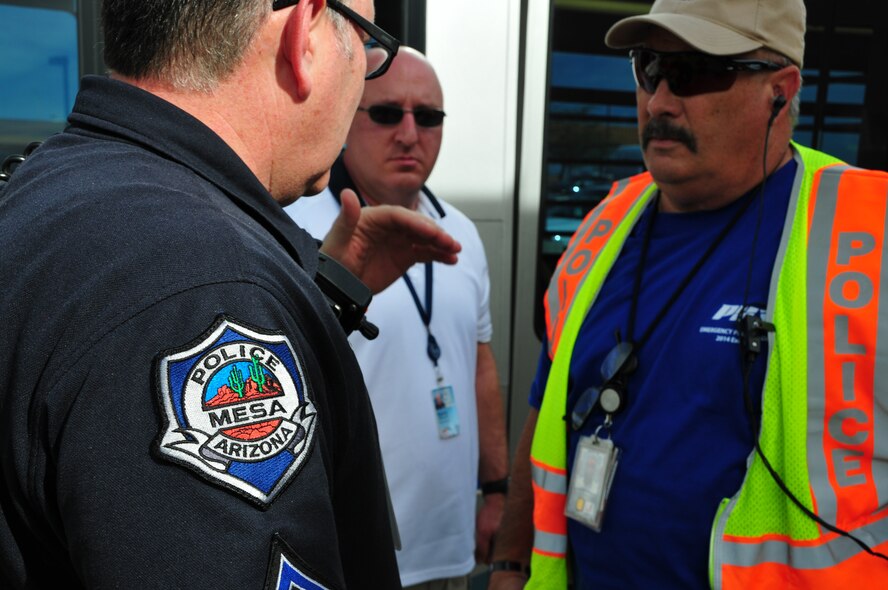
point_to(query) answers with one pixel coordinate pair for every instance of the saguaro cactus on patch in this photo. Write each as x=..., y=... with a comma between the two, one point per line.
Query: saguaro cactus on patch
x=257, y=374
x=236, y=381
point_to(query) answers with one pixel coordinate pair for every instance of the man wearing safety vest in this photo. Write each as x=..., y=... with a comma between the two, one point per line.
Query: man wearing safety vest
x=711, y=405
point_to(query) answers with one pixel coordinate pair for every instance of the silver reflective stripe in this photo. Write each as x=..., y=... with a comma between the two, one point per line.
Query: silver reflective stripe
x=555, y=483
x=880, y=388
x=807, y=558
x=549, y=543
x=819, y=246
x=719, y=550
x=784, y=243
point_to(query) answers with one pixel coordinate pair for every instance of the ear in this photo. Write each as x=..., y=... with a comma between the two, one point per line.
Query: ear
x=300, y=45
x=786, y=83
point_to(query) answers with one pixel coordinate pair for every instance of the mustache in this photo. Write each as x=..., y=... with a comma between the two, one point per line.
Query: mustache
x=663, y=129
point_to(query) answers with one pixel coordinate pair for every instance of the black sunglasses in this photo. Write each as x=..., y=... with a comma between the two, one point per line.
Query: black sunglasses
x=619, y=363
x=689, y=73
x=384, y=114
x=381, y=47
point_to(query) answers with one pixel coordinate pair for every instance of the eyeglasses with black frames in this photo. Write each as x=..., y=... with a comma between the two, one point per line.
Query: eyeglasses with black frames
x=380, y=48
x=689, y=73
x=384, y=114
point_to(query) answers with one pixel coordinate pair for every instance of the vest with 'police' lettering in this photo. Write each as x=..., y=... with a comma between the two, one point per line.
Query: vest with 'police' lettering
x=824, y=424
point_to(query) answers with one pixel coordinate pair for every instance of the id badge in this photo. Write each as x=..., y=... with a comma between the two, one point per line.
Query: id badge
x=590, y=483
x=445, y=409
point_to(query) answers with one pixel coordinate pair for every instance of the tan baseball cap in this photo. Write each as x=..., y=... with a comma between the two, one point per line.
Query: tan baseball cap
x=721, y=27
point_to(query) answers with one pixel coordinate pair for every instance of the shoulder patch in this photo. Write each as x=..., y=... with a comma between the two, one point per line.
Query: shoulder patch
x=237, y=410
x=283, y=570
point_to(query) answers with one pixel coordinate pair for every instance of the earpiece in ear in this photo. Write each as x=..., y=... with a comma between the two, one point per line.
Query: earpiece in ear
x=779, y=103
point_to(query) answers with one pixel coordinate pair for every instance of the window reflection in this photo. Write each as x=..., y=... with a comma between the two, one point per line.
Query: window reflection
x=591, y=139
x=39, y=74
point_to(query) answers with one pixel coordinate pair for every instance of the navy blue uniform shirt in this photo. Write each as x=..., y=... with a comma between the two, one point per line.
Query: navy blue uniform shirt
x=178, y=406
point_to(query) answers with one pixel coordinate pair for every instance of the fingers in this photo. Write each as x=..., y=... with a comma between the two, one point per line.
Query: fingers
x=349, y=215
x=483, y=548
x=432, y=253
x=337, y=240
x=377, y=244
x=429, y=242
x=350, y=210
x=423, y=230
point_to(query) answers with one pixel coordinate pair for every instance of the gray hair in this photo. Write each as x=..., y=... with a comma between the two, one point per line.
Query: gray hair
x=341, y=24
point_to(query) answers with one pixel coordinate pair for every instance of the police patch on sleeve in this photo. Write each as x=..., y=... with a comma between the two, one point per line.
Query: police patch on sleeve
x=237, y=410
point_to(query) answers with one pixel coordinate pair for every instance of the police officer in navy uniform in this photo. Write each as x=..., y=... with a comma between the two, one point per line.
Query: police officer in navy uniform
x=179, y=406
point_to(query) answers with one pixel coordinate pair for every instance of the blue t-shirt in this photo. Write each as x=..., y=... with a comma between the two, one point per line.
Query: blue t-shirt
x=685, y=434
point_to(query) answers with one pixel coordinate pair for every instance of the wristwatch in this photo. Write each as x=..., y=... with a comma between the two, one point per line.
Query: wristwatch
x=509, y=566
x=498, y=486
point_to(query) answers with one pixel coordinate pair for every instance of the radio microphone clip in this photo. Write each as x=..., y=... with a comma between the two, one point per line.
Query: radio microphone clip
x=753, y=329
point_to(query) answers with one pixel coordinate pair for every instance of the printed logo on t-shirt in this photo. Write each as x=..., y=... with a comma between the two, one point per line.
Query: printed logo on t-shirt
x=725, y=327
x=237, y=410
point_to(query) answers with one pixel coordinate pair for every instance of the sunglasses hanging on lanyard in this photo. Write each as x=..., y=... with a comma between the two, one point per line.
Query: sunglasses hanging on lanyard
x=442, y=395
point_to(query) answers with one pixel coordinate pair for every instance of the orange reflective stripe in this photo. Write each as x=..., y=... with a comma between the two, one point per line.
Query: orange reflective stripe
x=574, y=285
x=765, y=561
x=850, y=316
x=861, y=571
x=548, y=511
x=582, y=251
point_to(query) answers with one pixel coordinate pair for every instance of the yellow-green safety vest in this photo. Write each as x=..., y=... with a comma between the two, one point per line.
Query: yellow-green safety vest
x=824, y=403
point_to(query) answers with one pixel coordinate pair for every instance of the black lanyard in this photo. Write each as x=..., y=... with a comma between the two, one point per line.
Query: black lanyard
x=339, y=180
x=684, y=283
x=432, y=348
x=622, y=360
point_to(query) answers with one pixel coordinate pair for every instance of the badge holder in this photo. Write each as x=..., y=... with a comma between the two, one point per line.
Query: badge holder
x=590, y=482
x=596, y=458
x=442, y=396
